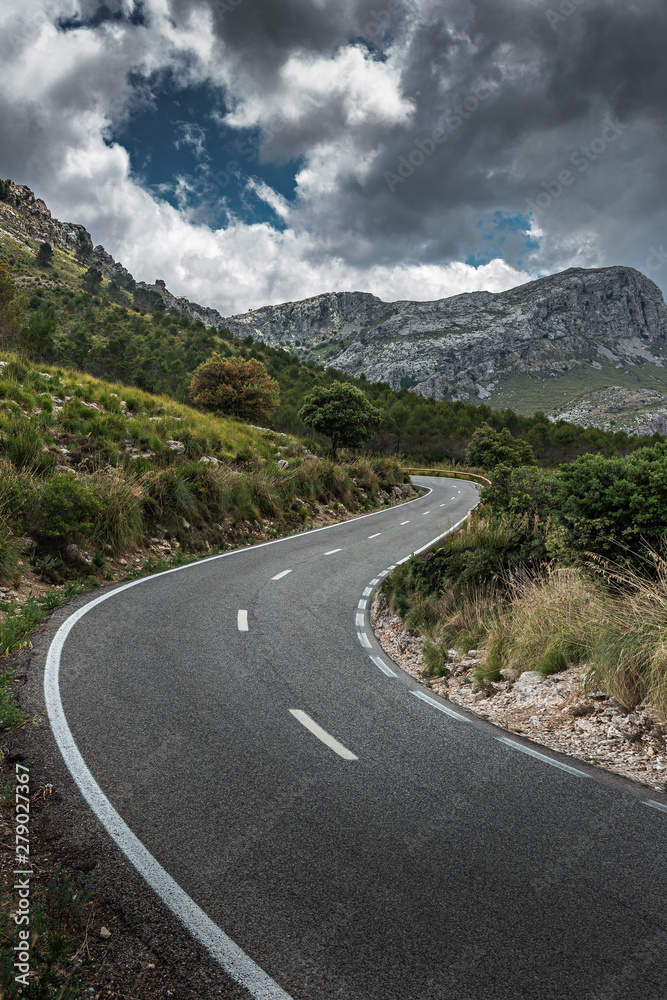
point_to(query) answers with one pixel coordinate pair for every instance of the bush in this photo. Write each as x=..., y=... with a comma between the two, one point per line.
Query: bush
x=21, y=443
x=69, y=509
x=9, y=556
x=523, y=490
x=484, y=552
x=489, y=448
x=121, y=521
x=613, y=506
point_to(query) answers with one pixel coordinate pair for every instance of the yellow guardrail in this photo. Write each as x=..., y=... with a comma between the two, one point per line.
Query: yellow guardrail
x=450, y=474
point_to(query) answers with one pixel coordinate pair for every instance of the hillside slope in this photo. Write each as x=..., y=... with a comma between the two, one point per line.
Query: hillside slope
x=96, y=477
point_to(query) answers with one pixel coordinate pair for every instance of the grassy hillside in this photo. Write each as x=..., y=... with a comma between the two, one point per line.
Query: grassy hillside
x=109, y=336
x=93, y=472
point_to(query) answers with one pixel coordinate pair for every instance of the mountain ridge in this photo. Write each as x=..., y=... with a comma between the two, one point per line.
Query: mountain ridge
x=547, y=344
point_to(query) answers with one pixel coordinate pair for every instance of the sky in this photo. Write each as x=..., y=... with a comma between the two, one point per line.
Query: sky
x=251, y=152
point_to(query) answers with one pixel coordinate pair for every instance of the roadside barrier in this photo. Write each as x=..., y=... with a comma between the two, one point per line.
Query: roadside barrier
x=450, y=474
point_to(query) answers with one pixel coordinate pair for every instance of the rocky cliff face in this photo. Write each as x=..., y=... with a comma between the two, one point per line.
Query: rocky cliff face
x=465, y=346
x=31, y=217
x=27, y=217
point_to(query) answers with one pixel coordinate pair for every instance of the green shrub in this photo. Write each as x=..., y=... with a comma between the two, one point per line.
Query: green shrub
x=121, y=520
x=9, y=555
x=22, y=444
x=69, y=509
x=483, y=553
x=435, y=659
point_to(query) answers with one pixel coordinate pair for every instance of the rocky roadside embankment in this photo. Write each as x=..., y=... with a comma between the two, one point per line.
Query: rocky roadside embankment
x=555, y=711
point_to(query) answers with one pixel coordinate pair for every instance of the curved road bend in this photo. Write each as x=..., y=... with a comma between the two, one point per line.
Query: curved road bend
x=439, y=863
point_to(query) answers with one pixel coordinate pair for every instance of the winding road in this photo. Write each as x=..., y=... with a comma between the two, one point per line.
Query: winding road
x=327, y=828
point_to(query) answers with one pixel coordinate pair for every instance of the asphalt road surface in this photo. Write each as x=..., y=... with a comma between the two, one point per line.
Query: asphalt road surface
x=353, y=840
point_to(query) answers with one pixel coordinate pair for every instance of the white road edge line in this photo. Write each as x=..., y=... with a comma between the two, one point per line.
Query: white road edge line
x=279, y=576
x=332, y=552
x=376, y=580
x=233, y=960
x=360, y=620
x=322, y=734
x=375, y=535
x=441, y=708
x=655, y=805
x=362, y=604
x=368, y=591
x=363, y=639
x=242, y=621
x=541, y=756
x=383, y=666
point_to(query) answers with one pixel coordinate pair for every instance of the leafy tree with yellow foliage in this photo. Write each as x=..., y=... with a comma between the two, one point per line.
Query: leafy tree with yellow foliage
x=238, y=387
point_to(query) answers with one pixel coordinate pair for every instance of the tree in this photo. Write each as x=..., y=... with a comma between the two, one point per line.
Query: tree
x=92, y=280
x=240, y=387
x=37, y=333
x=489, y=448
x=84, y=252
x=342, y=412
x=45, y=255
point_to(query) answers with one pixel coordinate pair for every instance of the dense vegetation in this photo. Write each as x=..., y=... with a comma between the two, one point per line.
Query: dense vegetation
x=556, y=568
x=103, y=329
x=87, y=462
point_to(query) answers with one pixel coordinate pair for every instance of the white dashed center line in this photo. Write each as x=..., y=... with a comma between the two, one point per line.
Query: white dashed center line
x=332, y=552
x=322, y=734
x=279, y=576
x=440, y=707
x=383, y=666
x=375, y=535
x=426, y=512
x=404, y=522
x=655, y=805
x=541, y=756
x=242, y=621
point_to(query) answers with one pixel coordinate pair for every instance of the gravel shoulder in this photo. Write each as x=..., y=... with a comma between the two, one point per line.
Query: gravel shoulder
x=555, y=711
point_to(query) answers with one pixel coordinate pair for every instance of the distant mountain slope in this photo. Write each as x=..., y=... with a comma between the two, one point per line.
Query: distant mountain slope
x=580, y=322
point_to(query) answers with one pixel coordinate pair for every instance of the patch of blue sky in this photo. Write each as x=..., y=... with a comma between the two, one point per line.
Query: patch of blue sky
x=502, y=235
x=180, y=148
x=100, y=14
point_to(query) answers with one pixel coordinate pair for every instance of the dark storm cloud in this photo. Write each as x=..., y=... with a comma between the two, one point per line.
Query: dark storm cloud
x=419, y=132
x=552, y=72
